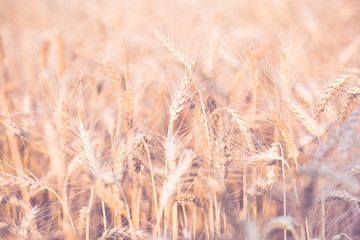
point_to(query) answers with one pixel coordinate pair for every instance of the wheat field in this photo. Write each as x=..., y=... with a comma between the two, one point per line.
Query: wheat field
x=193, y=119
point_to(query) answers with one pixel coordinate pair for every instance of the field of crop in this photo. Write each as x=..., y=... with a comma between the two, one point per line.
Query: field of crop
x=189, y=119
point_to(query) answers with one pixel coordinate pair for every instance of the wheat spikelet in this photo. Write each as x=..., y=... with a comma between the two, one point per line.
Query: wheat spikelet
x=88, y=149
x=120, y=161
x=285, y=79
x=128, y=99
x=340, y=235
x=354, y=170
x=81, y=224
x=34, y=186
x=123, y=233
x=117, y=81
x=265, y=157
x=351, y=94
x=285, y=223
x=173, y=181
x=11, y=125
x=65, y=120
x=14, y=201
x=178, y=102
x=248, y=69
x=254, y=76
x=264, y=184
x=349, y=126
x=222, y=160
x=346, y=130
x=341, y=195
x=171, y=154
x=124, y=89
x=288, y=138
x=330, y=92
x=242, y=125
x=27, y=228
x=174, y=178
x=30, y=184
x=187, y=197
x=139, y=150
x=172, y=184
x=76, y=163
x=171, y=44
x=303, y=117
x=244, y=129
x=200, y=122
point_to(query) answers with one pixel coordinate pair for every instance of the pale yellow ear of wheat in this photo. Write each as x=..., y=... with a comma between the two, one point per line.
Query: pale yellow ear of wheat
x=351, y=94
x=333, y=88
x=302, y=116
x=283, y=223
x=286, y=134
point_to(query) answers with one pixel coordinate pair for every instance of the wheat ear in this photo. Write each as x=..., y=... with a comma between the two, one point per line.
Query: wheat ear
x=172, y=45
x=288, y=138
x=302, y=116
x=351, y=94
x=172, y=183
x=178, y=102
x=241, y=124
x=285, y=223
x=331, y=91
